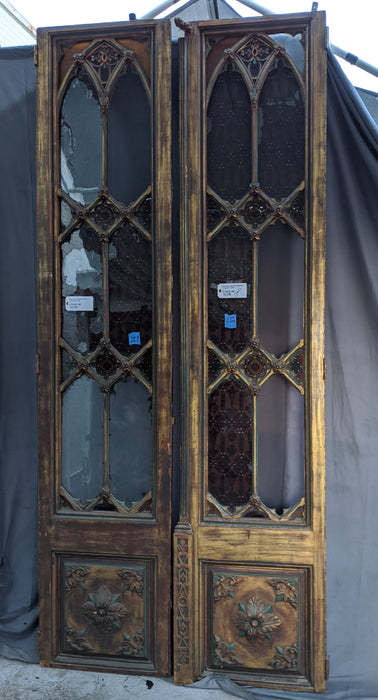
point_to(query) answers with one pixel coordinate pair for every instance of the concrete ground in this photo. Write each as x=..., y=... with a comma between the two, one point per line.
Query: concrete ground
x=22, y=681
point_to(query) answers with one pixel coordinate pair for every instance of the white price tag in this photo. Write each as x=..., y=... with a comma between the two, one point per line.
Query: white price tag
x=79, y=304
x=232, y=290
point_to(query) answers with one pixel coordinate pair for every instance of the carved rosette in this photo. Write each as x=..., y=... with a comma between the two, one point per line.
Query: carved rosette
x=224, y=654
x=182, y=601
x=104, y=609
x=256, y=621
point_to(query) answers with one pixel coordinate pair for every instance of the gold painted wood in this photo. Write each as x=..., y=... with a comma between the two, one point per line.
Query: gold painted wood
x=223, y=544
x=109, y=569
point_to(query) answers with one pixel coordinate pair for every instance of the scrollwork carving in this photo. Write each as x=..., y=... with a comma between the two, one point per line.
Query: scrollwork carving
x=224, y=653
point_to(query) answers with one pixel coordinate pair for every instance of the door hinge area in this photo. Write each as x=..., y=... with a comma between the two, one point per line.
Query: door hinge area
x=36, y=55
x=327, y=668
x=324, y=368
x=37, y=363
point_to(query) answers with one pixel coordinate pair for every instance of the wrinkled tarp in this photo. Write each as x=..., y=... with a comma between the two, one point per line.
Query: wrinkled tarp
x=351, y=387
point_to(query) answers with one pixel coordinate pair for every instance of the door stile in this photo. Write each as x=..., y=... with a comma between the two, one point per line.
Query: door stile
x=251, y=548
x=100, y=554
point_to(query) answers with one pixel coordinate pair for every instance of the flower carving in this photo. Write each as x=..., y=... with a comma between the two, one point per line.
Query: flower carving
x=285, y=590
x=224, y=586
x=132, y=580
x=132, y=645
x=256, y=621
x=75, y=576
x=224, y=653
x=76, y=639
x=104, y=608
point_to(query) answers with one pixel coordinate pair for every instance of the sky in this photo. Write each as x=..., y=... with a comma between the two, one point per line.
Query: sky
x=353, y=24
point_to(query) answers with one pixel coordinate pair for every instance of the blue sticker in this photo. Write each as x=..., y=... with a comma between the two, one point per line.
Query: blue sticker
x=230, y=320
x=134, y=338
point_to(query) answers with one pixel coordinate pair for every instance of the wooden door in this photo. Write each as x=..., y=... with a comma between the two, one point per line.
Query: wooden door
x=250, y=545
x=105, y=346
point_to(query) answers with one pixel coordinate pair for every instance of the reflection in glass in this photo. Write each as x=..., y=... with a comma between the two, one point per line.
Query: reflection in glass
x=230, y=260
x=229, y=138
x=80, y=139
x=280, y=444
x=130, y=441
x=82, y=276
x=130, y=290
x=129, y=140
x=280, y=289
x=294, y=48
x=230, y=444
x=281, y=152
x=82, y=439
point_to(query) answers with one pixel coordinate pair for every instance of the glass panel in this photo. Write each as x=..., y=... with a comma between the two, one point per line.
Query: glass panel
x=281, y=154
x=129, y=140
x=229, y=136
x=130, y=290
x=280, y=444
x=145, y=365
x=82, y=439
x=230, y=260
x=130, y=441
x=230, y=444
x=214, y=366
x=65, y=215
x=280, y=289
x=81, y=138
x=82, y=276
x=67, y=365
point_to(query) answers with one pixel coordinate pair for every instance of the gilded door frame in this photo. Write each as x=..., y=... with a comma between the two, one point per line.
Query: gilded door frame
x=105, y=538
x=199, y=544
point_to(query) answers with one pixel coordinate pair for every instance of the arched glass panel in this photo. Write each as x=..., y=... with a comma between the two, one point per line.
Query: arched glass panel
x=281, y=152
x=280, y=288
x=129, y=139
x=130, y=441
x=81, y=141
x=82, y=439
x=280, y=410
x=229, y=136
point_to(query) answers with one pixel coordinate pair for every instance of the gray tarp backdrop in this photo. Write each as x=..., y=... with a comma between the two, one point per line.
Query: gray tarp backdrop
x=351, y=389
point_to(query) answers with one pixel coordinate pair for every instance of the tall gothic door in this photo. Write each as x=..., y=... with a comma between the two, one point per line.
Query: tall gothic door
x=104, y=346
x=250, y=544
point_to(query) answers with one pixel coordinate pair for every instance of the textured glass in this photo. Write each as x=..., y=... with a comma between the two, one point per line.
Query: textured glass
x=230, y=444
x=214, y=366
x=82, y=439
x=80, y=140
x=145, y=365
x=229, y=260
x=281, y=152
x=130, y=441
x=229, y=136
x=82, y=276
x=129, y=140
x=280, y=289
x=280, y=444
x=130, y=290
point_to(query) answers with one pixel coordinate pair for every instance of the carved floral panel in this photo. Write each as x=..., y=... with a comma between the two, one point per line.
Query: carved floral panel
x=105, y=608
x=257, y=619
